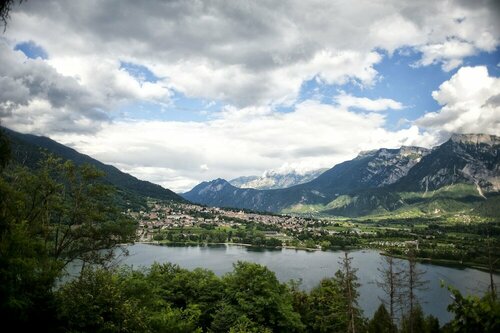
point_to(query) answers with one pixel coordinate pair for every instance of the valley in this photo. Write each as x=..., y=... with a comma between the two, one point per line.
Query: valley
x=456, y=240
x=450, y=229
x=391, y=200
x=250, y=166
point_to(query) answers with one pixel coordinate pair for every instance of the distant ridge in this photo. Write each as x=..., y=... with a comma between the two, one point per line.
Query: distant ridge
x=27, y=149
x=465, y=171
x=275, y=179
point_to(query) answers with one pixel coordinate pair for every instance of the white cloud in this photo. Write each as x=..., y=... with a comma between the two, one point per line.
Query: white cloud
x=77, y=97
x=470, y=104
x=395, y=31
x=249, y=53
x=249, y=56
x=108, y=81
x=449, y=54
x=35, y=98
x=380, y=104
x=312, y=136
x=165, y=177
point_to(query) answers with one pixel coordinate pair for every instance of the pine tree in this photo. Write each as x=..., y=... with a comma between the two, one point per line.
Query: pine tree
x=381, y=322
x=347, y=279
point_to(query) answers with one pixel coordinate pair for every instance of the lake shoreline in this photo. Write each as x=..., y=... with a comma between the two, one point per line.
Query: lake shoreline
x=432, y=261
x=445, y=263
x=163, y=243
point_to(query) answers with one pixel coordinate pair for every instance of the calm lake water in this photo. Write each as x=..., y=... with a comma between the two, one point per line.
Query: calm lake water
x=311, y=267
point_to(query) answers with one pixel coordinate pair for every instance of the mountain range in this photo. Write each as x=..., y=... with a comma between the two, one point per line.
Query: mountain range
x=28, y=150
x=462, y=174
x=274, y=179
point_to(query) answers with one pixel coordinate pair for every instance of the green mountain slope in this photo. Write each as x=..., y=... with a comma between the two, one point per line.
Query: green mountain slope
x=458, y=198
x=28, y=149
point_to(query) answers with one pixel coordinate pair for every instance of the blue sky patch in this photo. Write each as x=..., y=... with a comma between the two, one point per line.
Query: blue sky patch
x=139, y=72
x=180, y=108
x=31, y=50
x=399, y=79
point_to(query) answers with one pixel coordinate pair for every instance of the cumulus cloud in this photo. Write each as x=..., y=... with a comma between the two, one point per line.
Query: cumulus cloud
x=469, y=102
x=450, y=54
x=380, y=104
x=249, y=53
x=312, y=136
x=250, y=57
x=37, y=98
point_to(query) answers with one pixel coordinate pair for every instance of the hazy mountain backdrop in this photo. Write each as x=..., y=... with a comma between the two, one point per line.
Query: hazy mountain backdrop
x=461, y=174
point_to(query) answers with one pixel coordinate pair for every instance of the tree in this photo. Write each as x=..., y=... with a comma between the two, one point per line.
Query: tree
x=27, y=271
x=70, y=209
x=327, y=309
x=95, y=302
x=334, y=303
x=491, y=265
x=474, y=314
x=381, y=322
x=301, y=301
x=245, y=325
x=188, y=289
x=391, y=284
x=252, y=291
x=413, y=321
x=432, y=324
x=5, y=7
x=413, y=281
x=87, y=225
x=348, y=280
x=49, y=217
x=418, y=322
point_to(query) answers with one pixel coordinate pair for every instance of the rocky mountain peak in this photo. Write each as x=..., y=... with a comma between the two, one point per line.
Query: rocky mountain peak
x=404, y=151
x=276, y=179
x=411, y=150
x=375, y=178
x=487, y=139
x=215, y=185
x=218, y=181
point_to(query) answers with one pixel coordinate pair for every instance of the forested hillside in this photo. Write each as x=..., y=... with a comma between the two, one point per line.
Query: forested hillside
x=29, y=150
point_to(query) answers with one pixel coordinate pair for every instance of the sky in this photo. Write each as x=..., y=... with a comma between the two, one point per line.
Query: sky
x=179, y=92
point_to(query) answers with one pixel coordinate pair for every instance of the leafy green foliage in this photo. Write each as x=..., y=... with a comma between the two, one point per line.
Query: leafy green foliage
x=474, y=314
x=95, y=303
x=327, y=313
x=5, y=150
x=416, y=321
x=69, y=209
x=49, y=217
x=200, y=289
x=252, y=291
x=381, y=322
x=333, y=304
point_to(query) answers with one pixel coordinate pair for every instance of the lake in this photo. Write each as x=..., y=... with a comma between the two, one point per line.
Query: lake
x=312, y=266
